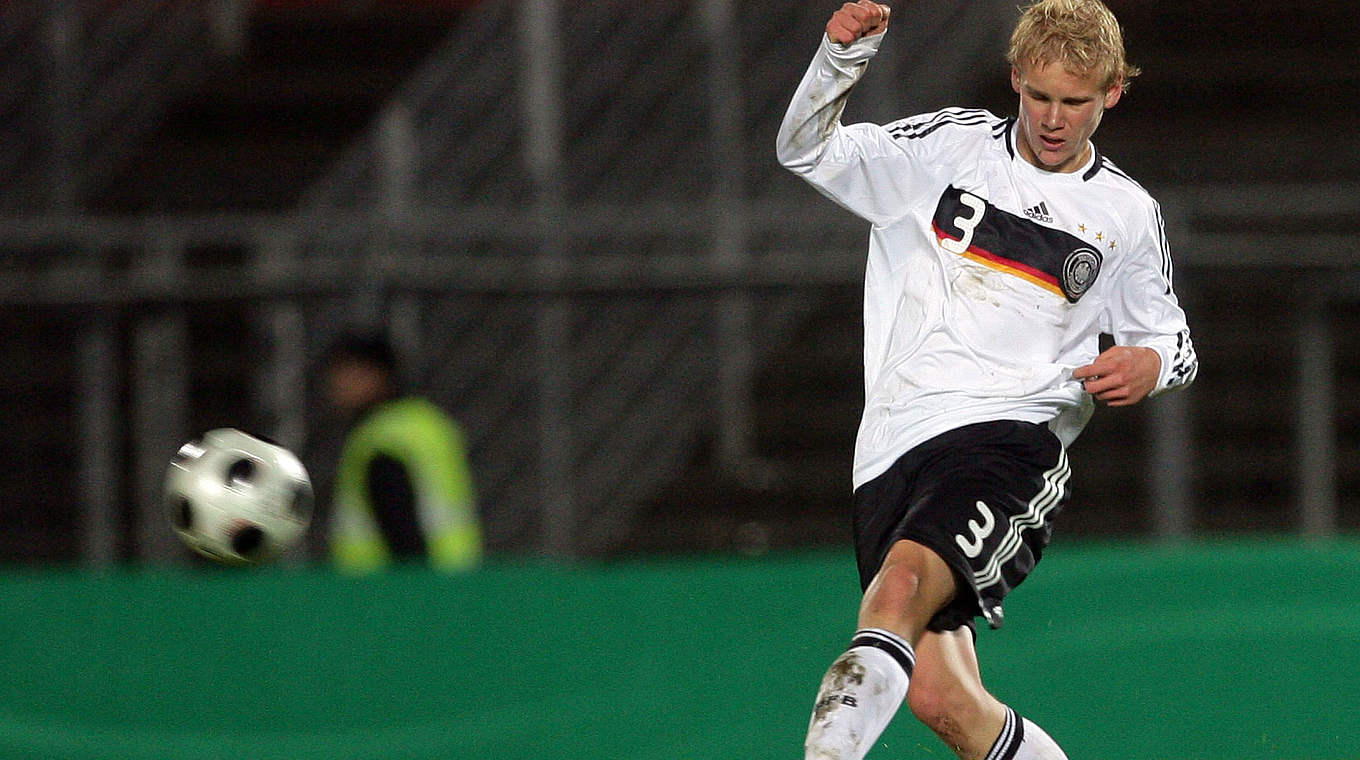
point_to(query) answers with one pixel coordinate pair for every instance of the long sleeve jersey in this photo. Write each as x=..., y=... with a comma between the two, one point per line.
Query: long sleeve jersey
x=988, y=280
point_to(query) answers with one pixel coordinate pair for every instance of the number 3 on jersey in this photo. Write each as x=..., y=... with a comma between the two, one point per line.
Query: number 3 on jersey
x=966, y=224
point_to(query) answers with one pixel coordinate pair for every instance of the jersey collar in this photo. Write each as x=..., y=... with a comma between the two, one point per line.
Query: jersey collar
x=1097, y=160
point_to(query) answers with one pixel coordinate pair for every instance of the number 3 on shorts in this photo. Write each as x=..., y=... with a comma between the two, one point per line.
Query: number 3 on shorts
x=980, y=532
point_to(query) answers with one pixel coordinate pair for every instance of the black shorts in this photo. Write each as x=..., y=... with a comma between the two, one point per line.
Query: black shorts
x=982, y=497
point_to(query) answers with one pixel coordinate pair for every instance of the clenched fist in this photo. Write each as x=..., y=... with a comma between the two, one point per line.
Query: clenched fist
x=856, y=20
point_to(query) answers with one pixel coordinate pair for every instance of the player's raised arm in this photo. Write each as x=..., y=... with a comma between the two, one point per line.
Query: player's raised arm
x=856, y=20
x=843, y=162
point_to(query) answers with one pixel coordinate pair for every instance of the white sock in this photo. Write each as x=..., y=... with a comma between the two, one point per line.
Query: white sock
x=1021, y=739
x=859, y=696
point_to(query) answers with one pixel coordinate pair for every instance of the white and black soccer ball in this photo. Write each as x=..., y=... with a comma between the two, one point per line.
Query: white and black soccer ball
x=237, y=499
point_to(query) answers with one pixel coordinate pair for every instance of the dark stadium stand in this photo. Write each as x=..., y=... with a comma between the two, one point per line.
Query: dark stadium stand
x=309, y=79
x=1262, y=99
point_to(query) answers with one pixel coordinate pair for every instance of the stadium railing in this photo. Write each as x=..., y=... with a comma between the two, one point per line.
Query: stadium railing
x=85, y=83
x=510, y=210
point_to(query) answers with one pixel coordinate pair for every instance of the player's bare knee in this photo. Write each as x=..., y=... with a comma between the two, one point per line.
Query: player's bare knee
x=890, y=597
x=910, y=587
x=927, y=702
x=943, y=706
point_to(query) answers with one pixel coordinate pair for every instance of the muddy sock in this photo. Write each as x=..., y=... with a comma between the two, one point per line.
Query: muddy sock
x=859, y=696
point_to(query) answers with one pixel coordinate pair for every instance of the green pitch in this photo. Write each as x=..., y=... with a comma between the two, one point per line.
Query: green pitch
x=1223, y=650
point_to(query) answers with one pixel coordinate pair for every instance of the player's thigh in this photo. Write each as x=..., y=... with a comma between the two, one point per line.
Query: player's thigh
x=913, y=583
x=982, y=497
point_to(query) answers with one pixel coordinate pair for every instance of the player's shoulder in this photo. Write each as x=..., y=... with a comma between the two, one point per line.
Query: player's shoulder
x=949, y=123
x=1106, y=179
x=1113, y=189
x=1105, y=173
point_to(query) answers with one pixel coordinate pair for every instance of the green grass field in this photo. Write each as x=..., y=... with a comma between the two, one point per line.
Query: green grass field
x=1224, y=650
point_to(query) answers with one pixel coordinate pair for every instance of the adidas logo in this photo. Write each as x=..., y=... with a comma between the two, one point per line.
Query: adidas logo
x=1039, y=213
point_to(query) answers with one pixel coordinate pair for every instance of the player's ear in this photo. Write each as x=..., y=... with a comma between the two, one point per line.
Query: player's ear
x=1015, y=79
x=1114, y=92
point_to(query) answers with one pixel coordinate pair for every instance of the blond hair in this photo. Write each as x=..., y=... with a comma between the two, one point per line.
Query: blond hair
x=1082, y=35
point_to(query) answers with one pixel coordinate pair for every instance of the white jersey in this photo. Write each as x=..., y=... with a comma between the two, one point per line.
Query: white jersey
x=988, y=279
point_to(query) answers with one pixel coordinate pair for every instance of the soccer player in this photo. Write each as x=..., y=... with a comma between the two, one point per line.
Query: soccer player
x=1000, y=249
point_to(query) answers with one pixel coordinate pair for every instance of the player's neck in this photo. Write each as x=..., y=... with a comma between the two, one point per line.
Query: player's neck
x=1076, y=164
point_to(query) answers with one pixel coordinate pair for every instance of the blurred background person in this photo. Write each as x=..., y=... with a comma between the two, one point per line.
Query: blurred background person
x=403, y=484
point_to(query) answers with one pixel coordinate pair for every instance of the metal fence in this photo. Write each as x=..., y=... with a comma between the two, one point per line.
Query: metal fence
x=578, y=235
x=86, y=82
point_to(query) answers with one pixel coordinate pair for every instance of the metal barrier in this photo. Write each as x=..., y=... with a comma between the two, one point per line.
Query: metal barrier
x=156, y=414
x=86, y=83
x=733, y=268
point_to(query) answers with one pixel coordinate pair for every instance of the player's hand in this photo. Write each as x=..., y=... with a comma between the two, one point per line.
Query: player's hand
x=1121, y=375
x=856, y=20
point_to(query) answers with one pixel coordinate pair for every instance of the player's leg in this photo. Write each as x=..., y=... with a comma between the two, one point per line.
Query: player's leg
x=947, y=695
x=909, y=588
x=980, y=497
x=866, y=685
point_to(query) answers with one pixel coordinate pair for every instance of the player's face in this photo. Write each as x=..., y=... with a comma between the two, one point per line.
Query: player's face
x=1058, y=114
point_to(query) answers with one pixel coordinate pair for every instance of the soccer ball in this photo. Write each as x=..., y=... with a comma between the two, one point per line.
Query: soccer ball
x=237, y=499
